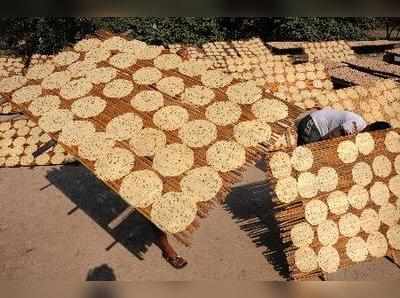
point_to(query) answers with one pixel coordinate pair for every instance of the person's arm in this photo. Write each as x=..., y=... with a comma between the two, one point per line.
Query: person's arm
x=346, y=129
x=337, y=132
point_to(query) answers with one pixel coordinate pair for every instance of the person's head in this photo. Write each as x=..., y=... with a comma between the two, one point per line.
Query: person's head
x=379, y=125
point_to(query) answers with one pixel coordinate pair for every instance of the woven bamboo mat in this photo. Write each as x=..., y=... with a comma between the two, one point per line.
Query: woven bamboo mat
x=376, y=66
x=325, y=155
x=20, y=138
x=372, y=43
x=352, y=76
x=336, y=51
x=120, y=106
x=285, y=45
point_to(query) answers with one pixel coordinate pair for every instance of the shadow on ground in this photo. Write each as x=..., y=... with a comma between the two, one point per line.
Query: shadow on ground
x=103, y=205
x=251, y=207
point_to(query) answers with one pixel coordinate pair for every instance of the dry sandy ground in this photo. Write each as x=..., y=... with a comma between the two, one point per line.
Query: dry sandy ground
x=53, y=226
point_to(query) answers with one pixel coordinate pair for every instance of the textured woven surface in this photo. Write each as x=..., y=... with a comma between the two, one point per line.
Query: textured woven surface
x=116, y=107
x=346, y=216
x=352, y=76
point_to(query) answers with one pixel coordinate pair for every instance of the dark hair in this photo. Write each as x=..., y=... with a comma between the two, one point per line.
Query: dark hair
x=377, y=126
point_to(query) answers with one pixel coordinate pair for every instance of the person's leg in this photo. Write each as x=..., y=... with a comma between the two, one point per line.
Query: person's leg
x=168, y=252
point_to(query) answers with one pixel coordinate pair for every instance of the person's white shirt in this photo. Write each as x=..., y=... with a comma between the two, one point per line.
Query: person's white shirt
x=328, y=119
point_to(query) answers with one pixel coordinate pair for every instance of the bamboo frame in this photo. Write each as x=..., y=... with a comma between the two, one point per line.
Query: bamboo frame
x=117, y=107
x=288, y=215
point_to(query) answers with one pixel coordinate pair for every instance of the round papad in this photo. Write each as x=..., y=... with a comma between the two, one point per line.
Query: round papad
x=198, y=95
x=124, y=127
x=86, y=45
x=244, y=93
x=148, y=52
x=389, y=214
x=80, y=68
x=65, y=58
x=302, y=158
x=393, y=236
x=193, y=68
x=392, y=142
x=252, y=133
x=302, y=235
x=358, y=197
x=26, y=94
x=101, y=75
x=141, y=188
x=148, y=101
x=315, y=212
x=225, y=156
x=118, y=88
x=114, y=164
x=328, y=233
x=337, y=202
x=167, y=61
x=223, y=113
x=382, y=166
x=95, y=145
x=10, y=84
x=44, y=104
x=170, y=118
x=280, y=165
x=347, y=152
x=377, y=245
x=147, y=76
x=362, y=173
x=328, y=259
x=76, y=89
x=204, y=182
x=55, y=120
x=365, y=143
x=327, y=179
x=369, y=221
x=88, y=107
x=174, y=212
x=397, y=164
x=40, y=71
x=307, y=185
x=56, y=80
x=75, y=132
x=122, y=60
x=379, y=193
x=171, y=86
x=270, y=110
x=148, y=141
x=305, y=259
x=357, y=249
x=198, y=133
x=286, y=190
x=97, y=55
x=43, y=159
x=173, y=160
x=349, y=225
x=216, y=79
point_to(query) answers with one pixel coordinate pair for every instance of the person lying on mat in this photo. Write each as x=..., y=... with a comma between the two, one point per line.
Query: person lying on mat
x=328, y=123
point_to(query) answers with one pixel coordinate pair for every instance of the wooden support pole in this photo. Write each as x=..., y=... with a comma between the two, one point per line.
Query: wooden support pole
x=120, y=218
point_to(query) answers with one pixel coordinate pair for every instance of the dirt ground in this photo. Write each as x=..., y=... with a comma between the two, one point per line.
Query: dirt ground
x=53, y=225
